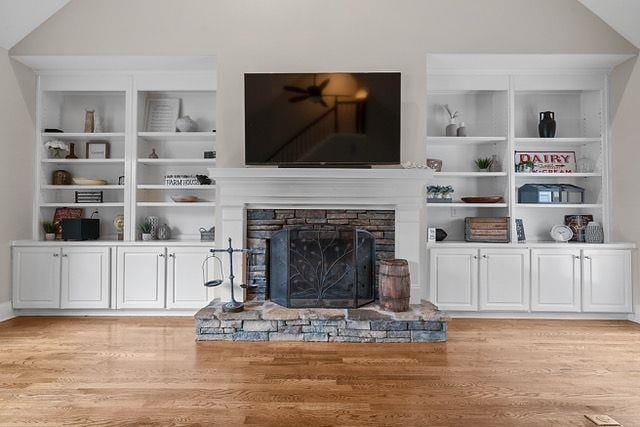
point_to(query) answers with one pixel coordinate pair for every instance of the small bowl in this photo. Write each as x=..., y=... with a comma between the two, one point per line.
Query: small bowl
x=185, y=199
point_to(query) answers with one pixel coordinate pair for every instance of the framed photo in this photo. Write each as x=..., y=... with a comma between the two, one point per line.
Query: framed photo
x=577, y=224
x=161, y=114
x=65, y=213
x=97, y=150
x=548, y=161
x=520, y=231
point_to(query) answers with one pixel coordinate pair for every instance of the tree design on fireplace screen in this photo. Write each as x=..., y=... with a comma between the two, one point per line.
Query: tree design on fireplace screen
x=329, y=269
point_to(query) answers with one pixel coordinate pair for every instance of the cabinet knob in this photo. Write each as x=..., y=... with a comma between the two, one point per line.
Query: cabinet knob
x=587, y=257
x=65, y=255
x=576, y=257
x=485, y=256
x=56, y=255
x=475, y=257
x=161, y=255
x=172, y=255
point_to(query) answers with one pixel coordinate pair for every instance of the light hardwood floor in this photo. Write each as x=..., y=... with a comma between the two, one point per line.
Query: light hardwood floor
x=149, y=371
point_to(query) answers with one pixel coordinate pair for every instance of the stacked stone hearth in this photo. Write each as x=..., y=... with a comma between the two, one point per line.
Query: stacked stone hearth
x=263, y=223
x=270, y=322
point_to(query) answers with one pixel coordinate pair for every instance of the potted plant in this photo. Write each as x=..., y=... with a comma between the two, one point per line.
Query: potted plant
x=446, y=193
x=484, y=164
x=49, y=230
x=57, y=147
x=145, y=229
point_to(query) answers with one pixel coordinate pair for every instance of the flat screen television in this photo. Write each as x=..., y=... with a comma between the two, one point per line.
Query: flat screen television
x=307, y=119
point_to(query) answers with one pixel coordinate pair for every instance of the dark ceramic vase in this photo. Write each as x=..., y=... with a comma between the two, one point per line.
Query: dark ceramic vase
x=440, y=234
x=547, y=125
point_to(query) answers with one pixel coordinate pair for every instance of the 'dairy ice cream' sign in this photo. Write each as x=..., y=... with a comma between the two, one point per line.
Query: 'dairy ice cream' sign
x=548, y=161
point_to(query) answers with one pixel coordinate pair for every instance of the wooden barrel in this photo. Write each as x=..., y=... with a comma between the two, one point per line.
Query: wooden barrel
x=394, y=284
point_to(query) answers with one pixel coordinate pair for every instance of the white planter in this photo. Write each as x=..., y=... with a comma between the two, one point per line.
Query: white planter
x=147, y=236
x=49, y=236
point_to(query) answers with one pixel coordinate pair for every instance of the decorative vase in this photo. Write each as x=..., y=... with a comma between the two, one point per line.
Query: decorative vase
x=164, y=232
x=186, y=124
x=484, y=170
x=89, y=123
x=584, y=165
x=153, y=154
x=593, y=233
x=118, y=223
x=61, y=177
x=547, y=125
x=462, y=130
x=72, y=151
x=153, y=222
x=435, y=164
x=50, y=236
x=440, y=234
x=496, y=166
x=146, y=237
x=452, y=128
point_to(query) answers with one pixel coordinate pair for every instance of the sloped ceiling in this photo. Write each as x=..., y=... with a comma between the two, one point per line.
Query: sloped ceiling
x=621, y=15
x=19, y=17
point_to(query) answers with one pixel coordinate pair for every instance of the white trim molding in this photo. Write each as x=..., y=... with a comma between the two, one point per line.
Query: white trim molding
x=634, y=317
x=6, y=311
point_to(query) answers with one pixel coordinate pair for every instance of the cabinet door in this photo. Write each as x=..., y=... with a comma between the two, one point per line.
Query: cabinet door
x=185, y=275
x=36, y=277
x=453, y=275
x=504, y=279
x=606, y=281
x=140, y=279
x=555, y=280
x=85, y=277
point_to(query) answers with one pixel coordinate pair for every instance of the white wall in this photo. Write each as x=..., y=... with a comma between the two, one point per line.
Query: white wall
x=626, y=158
x=17, y=91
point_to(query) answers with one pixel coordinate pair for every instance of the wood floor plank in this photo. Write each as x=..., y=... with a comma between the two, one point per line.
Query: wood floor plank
x=150, y=371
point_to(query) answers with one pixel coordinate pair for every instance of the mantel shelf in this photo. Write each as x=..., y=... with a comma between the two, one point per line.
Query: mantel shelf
x=323, y=174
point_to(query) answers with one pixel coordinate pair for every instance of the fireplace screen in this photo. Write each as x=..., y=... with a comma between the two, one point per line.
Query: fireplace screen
x=329, y=269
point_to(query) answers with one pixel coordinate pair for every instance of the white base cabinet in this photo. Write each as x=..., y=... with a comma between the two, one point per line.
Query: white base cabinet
x=86, y=277
x=607, y=283
x=504, y=279
x=549, y=279
x=36, y=277
x=102, y=277
x=556, y=280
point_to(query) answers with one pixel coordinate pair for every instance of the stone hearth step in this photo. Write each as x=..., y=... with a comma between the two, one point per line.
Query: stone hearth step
x=267, y=321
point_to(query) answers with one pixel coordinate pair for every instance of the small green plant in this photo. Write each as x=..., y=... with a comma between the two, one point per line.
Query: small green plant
x=48, y=227
x=484, y=163
x=145, y=228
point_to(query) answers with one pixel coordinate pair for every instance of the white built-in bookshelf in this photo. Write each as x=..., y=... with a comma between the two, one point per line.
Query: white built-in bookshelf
x=135, y=183
x=500, y=109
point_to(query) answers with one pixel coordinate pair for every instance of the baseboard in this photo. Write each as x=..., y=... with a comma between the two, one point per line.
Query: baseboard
x=540, y=316
x=6, y=311
x=634, y=318
x=105, y=312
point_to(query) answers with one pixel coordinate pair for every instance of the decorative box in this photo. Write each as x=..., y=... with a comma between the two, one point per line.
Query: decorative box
x=487, y=230
x=550, y=193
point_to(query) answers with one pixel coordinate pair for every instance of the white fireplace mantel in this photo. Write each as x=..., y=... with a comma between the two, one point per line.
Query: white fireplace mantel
x=401, y=190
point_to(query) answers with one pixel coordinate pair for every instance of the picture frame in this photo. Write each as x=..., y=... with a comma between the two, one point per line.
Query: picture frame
x=577, y=223
x=520, y=231
x=161, y=114
x=65, y=213
x=97, y=150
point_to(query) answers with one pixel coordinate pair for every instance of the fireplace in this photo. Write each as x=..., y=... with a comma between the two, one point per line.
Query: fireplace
x=328, y=269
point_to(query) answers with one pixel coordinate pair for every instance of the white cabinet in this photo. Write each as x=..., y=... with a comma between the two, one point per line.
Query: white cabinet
x=85, y=279
x=140, y=281
x=555, y=280
x=607, y=284
x=36, y=277
x=185, y=275
x=453, y=277
x=504, y=279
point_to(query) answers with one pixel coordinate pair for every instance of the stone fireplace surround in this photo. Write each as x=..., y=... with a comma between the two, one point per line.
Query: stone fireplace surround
x=254, y=202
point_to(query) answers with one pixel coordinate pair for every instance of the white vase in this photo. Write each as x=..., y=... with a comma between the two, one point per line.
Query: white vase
x=146, y=237
x=593, y=233
x=50, y=236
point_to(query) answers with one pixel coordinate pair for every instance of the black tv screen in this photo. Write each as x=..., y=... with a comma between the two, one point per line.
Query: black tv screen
x=322, y=119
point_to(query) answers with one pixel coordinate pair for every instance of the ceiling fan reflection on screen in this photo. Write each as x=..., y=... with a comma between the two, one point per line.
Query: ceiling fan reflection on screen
x=313, y=93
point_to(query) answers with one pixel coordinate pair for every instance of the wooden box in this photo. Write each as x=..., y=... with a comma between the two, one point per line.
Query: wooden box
x=487, y=230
